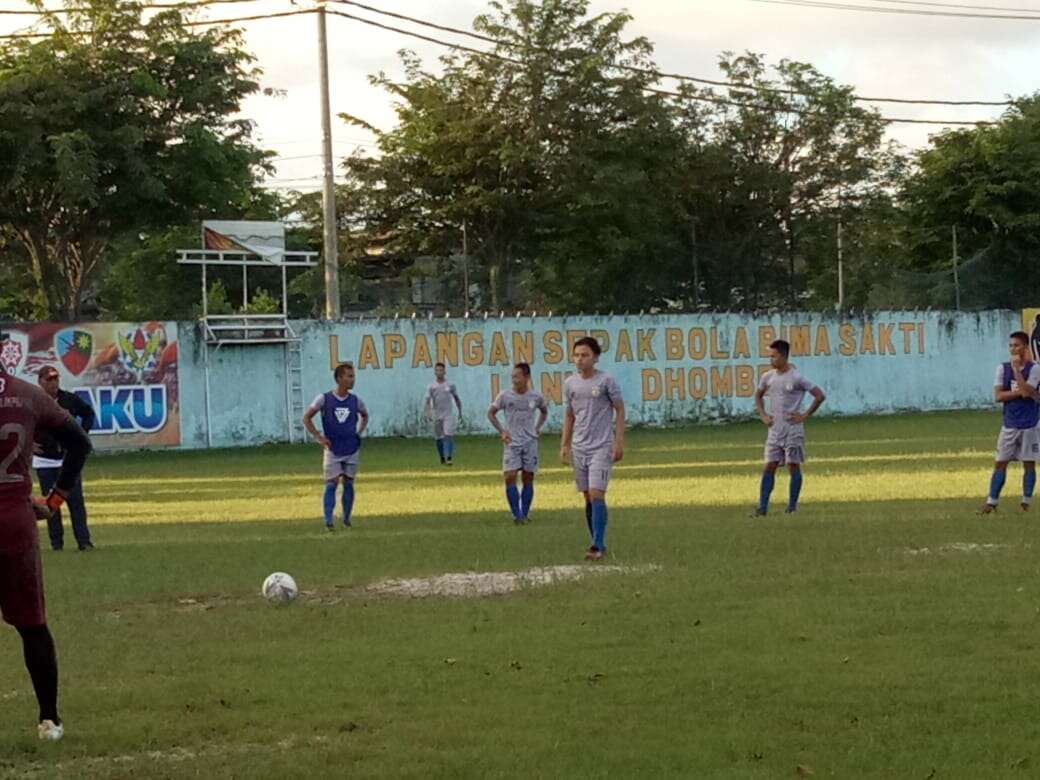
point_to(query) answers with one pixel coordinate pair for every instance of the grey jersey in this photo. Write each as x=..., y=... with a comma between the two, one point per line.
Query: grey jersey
x=784, y=394
x=522, y=411
x=440, y=398
x=592, y=403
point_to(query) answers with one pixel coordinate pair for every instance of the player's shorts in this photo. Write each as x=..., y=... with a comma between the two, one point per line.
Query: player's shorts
x=520, y=457
x=785, y=447
x=336, y=466
x=444, y=427
x=1018, y=444
x=21, y=588
x=592, y=469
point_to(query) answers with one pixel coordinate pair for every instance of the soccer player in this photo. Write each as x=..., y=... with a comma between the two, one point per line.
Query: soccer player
x=1015, y=386
x=26, y=411
x=47, y=456
x=438, y=406
x=519, y=438
x=593, y=437
x=344, y=418
x=785, y=388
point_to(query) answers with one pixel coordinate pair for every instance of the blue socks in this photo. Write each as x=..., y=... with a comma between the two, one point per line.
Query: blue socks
x=449, y=447
x=1028, y=485
x=513, y=497
x=599, y=523
x=796, y=489
x=328, y=502
x=996, y=484
x=588, y=518
x=440, y=448
x=526, y=498
x=348, y=500
x=766, y=490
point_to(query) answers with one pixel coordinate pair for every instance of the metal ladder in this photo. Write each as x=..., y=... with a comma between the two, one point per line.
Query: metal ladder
x=296, y=405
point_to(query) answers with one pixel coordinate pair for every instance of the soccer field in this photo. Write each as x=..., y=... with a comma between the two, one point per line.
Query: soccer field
x=884, y=631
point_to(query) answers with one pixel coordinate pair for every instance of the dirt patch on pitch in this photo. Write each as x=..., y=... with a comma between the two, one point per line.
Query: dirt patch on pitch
x=957, y=547
x=125, y=765
x=473, y=584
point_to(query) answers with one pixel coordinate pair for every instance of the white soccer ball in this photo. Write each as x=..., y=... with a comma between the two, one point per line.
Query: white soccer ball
x=280, y=588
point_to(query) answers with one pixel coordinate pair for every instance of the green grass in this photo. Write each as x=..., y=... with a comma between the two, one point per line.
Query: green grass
x=821, y=640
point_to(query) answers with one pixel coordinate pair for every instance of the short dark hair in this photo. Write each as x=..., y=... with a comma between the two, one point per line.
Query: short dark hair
x=438, y=364
x=1021, y=336
x=341, y=369
x=782, y=347
x=525, y=367
x=591, y=343
x=47, y=371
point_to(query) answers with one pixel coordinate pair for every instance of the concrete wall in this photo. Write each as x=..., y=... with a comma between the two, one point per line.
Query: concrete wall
x=672, y=368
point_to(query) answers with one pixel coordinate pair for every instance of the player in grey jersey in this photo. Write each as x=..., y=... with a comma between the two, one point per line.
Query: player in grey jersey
x=525, y=412
x=438, y=402
x=593, y=437
x=785, y=388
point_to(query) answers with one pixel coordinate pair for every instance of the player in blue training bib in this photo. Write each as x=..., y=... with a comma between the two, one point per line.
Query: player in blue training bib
x=1016, y=386
x=344, y=418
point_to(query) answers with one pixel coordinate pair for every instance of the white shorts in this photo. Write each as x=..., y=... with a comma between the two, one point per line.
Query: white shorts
x=336, y=466
x=520, y=457
x=1018, y=444
x=592, y=469
x=444, y=427
x=785, y=447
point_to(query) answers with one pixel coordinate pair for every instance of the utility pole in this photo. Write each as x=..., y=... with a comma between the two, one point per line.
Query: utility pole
x=696, y=264
x=328, y=192
x=841, y=264
x=956, y=273
x=465, y=265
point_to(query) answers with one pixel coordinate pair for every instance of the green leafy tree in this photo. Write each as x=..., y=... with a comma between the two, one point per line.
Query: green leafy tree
x=554, y=158
x=781, y=154
x=984, y=181
x=113, y=126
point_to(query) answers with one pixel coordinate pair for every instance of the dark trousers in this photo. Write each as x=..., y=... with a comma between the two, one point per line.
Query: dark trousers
x=77, y=510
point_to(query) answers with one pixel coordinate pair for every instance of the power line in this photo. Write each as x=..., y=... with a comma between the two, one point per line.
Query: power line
x=313, y=140
x=156, y=6
x=206, y=23
x=314, y=156
x=958, y=5
x=902, y=11
x=663, y=92
x=676, y=76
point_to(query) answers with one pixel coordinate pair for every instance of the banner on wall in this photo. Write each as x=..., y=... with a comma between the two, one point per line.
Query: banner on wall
x=126, y=371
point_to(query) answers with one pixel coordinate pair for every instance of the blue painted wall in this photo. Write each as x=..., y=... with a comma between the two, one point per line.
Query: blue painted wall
x=671, y=368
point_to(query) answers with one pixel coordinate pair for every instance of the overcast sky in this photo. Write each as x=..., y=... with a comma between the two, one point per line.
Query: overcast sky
x=881, y=55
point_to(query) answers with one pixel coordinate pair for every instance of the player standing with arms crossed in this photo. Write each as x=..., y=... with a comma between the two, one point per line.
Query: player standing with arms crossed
x=437, y=403
x=593, y=437
x=519, y=439
x=1015, y=385
x=785, y=388
x=26, y=410
x=340, y=439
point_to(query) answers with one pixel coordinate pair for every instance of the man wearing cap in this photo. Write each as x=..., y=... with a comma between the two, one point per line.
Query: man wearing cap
x=49, y=455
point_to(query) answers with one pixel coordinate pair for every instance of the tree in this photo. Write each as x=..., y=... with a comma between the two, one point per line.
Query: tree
x=984, y=181
x=114, y=126
x=781, y=154
x=553, y=156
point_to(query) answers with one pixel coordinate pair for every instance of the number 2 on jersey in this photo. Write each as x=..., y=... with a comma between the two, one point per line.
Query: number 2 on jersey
x=8, y=432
